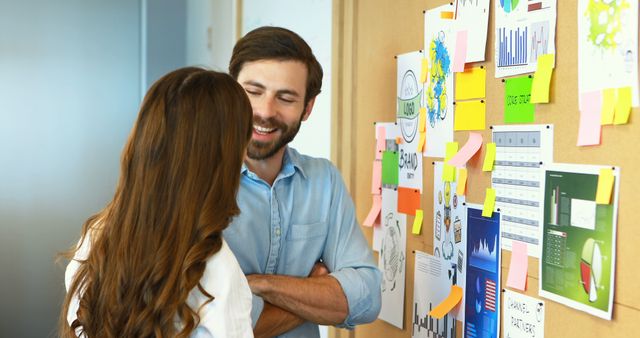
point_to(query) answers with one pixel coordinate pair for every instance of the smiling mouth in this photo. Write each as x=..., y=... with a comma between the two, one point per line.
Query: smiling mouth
x=263, y=130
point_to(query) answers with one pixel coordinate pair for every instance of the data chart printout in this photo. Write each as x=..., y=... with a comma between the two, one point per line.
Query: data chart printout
x=517, y=179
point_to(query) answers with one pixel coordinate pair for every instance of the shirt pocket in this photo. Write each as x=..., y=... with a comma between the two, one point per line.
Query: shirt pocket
x=307, y=231
x=304, y=247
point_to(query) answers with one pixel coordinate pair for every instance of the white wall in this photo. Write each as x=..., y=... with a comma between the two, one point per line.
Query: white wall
x=311, y=19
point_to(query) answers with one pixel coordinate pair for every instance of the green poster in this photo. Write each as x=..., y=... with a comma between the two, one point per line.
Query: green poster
x=517, y=97
x=390, y=167
x=578, y=240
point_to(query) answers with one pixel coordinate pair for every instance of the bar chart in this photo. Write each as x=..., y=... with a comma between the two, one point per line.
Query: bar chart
x=512, y=48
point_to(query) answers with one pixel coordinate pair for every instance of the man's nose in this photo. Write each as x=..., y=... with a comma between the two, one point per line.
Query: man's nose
x=266, y=108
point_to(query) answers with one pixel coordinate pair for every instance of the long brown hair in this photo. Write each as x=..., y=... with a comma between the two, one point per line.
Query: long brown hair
x=176, y=193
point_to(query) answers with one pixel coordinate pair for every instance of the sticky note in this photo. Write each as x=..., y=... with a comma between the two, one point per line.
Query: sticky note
x=422, y=120
x=374, y=212
x=474, y=142
x=469, y=115
x=623, y=106
x=460, y=52
x=608, y=106
x=449, y=171
x=542, y=79
x=424, y=71
x=398, y=140
x=376, y=178
x=489, y=156
x=381, y=144
x=446, y=15
x=408, y=200
x=423, y=138
x=489, y=202
x=390, y=167
x=417, y=222
x=605, y=186
x=470, y=84
x=518, y=266
x=517, y=100
x=454, y=297
x=461, y=189
x=590, y=128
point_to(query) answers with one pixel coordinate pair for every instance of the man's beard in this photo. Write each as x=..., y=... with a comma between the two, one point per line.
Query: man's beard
x=257, y=150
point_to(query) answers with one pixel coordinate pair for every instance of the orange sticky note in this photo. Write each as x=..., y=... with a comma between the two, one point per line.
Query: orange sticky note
x=605, y=186
x=417, y=222
x=446, y=15
x=469, y=115
x=408, y=200
x=542, y=79
x=376, y=178
x=423, y=138
x=448, y=304
x=422, y=121
x=398, y=140
x=449, y=171
x=374, y=213
x=474, y=142
x=623, y=106
x=462, y=182
x=608, y=106
x=424, y=71
x=489, y=157
x=489, y=202
x=519, y=266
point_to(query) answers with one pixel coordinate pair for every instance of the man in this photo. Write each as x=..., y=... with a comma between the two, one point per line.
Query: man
x=297, y=238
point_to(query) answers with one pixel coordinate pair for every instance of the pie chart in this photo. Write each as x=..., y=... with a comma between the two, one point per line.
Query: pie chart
x=509, y=5
x=591, y=268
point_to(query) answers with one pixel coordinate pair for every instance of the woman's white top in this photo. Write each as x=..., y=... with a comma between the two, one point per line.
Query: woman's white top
x=228, y=315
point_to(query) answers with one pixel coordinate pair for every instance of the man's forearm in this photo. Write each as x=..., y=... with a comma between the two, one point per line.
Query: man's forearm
x=275, y=321
x=320, y=300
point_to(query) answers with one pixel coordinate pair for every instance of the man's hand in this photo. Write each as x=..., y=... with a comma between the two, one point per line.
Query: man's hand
x=319, y=269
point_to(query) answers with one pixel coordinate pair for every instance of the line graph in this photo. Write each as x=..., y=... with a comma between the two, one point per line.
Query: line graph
x=539, y=40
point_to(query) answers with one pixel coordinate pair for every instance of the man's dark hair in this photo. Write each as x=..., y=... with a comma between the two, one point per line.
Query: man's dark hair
x=276, y=43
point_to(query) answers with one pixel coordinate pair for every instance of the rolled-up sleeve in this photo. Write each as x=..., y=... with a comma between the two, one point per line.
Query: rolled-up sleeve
x=350, y=259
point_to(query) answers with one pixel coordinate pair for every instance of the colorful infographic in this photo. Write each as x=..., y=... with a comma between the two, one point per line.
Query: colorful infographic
x=608, y=46
x=450, y=230
x=524, y=30
x=482, y=292
x=577, y=267
x=439, y=43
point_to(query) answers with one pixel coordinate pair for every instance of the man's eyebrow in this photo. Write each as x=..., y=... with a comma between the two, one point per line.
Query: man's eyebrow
x=254, y=84
x=288, y=92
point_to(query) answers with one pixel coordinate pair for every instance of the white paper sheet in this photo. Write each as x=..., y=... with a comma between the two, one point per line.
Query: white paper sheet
x=392, y=259
x=524, y=29
x=473, y=16
x=523, y=316
x=608, y=46
x=517, y=178
x=439, y=42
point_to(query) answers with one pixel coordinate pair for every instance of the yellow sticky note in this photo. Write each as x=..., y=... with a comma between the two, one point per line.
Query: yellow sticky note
x=449, y=171
x=462, y=181
x=417, y=222
x=424, y=71
x=422, y=120
x=470, y=84
x=489, y=157
x=623, y=106
x=423, y=138
x=446, y=15
x=454, y=297
x=608, y=105
x=469, y=115
x=605, y=186
x=489, y=202
x=542, y=79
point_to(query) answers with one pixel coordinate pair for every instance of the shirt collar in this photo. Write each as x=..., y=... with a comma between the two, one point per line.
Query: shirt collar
x=290, y=162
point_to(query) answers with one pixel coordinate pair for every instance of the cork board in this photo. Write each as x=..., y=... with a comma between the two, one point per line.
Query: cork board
x=369, y=33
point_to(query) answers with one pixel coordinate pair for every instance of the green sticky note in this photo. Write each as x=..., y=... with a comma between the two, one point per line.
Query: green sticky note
x=517, y=100
x=390, y=167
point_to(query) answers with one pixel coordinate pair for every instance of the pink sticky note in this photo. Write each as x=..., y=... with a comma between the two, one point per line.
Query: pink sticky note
x=381, y=145
x=519, y=266
x=461, y=52
x=590, y=127
x=474, y=143
x=374, y=212
x=376, y=178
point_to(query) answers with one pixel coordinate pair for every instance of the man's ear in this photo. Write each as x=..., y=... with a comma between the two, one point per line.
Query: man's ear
x=308, y=108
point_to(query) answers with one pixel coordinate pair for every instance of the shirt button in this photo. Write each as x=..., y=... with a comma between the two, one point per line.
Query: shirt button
x=277, y=231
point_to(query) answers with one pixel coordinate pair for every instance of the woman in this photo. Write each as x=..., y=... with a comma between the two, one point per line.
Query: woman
x=153, y=263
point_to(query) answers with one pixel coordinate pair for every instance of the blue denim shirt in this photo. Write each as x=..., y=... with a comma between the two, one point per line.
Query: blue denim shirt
x=307, y=215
